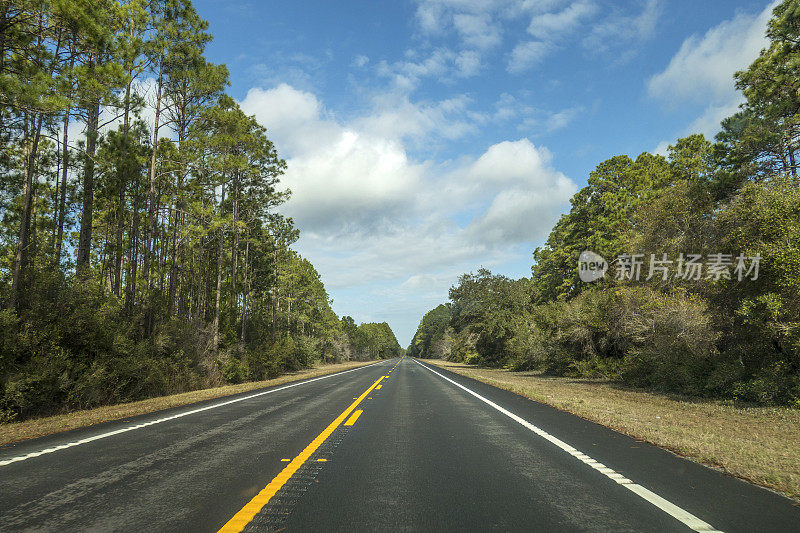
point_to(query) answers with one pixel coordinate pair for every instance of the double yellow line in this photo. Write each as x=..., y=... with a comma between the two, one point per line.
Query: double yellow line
x=249, y=511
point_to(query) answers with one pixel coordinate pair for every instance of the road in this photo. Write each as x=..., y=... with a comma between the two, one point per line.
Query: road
x=394, y=446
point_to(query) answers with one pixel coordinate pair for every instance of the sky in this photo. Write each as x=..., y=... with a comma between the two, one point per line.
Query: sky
x=428, y=138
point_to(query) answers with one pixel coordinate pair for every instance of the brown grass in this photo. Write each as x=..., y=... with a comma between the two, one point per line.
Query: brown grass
x=759, y=444
x=39, y=427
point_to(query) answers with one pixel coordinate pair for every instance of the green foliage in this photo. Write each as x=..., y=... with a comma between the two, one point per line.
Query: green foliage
x=371, y=340
x=148, y=259
x=600, y=220
x=432, y=339
x=486, y=310
x=762, y=138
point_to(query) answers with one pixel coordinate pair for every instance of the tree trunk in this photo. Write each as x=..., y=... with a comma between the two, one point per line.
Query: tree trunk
x=85, y=239
x=235, y=252
x=62, y=205
x=275, y=291
x=151, y=211
x=123, y=185
x=133, y=251
x=21, y=260
x=243, y=332
x=219, y=273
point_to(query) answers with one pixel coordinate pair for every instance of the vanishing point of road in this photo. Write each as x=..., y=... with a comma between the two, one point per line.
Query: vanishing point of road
x=398, y=445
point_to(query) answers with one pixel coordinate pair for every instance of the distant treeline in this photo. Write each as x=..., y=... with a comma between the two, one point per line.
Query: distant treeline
x=717, y=336
x=141, y=252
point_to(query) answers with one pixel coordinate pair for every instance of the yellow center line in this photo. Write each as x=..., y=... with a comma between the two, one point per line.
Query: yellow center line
x=353, y=418
x=252, y=508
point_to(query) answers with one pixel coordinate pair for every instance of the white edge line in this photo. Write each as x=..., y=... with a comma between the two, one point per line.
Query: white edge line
x=668, y=507
x=172, y=417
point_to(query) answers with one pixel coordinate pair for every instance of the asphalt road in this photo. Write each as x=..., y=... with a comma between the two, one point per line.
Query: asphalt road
x=416, y=448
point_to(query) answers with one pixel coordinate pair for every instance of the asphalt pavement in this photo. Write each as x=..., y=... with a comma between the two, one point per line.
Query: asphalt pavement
x=399, y=445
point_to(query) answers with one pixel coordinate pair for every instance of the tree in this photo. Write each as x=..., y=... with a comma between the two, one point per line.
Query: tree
x=762, y=139
x=98, y=75
x=431, y=333
x=601, y=220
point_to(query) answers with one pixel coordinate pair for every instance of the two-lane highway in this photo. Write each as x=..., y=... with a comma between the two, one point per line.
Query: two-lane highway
x=394, y=446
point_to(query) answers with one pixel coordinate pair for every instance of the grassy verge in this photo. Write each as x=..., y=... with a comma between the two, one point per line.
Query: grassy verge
x=40, y=427
x=759, y=444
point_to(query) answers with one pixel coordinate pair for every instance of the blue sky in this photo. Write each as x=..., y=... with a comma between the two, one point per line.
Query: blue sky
x=426, y=138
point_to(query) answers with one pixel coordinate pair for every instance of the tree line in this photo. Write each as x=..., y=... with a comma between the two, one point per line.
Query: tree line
x=715, y=333
x=141, y=252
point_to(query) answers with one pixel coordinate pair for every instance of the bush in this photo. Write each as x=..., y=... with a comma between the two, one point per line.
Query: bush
x=641, y=336
x=673, y=342
x=234, y=371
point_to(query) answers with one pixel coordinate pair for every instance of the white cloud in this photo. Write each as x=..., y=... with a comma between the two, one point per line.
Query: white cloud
x=621, y=28
x=442, y=64
x=286, y=111
x=382, y=225
x=360, y=61
x=468, y=63
x=708, y=123
x=429, y=17
x=526, y=55
x=703, y=68
x=661, y=148
x=339, y=176
x=394, y=116
x=479, y=27
x=478, y=31
x=529, y=193
x=550, y=25
x=562, y=119
x=506, y=107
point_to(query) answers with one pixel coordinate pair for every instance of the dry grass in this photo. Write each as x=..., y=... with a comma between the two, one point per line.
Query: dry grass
x=39, y=427
x=759, y=444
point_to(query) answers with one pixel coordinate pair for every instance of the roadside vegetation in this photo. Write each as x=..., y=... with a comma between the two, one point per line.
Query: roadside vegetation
x=755, y=443
x=141, y=253
x=39, y=427
x=719, y=336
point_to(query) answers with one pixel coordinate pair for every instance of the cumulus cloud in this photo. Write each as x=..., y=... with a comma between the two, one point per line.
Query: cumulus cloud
x=478, y=31
x=360, y=61
x=622, y=28
x=703, y=68
x=529, y=193
x=441, y=63
x=357, y=176
x=551, y=25
x=525, y=55
x=395, y=116
x=340, y=177
x=286, y=112
x=374, y=219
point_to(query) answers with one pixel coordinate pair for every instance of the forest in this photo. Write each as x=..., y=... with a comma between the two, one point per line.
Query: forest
x=141, y=251
x=728, y=331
